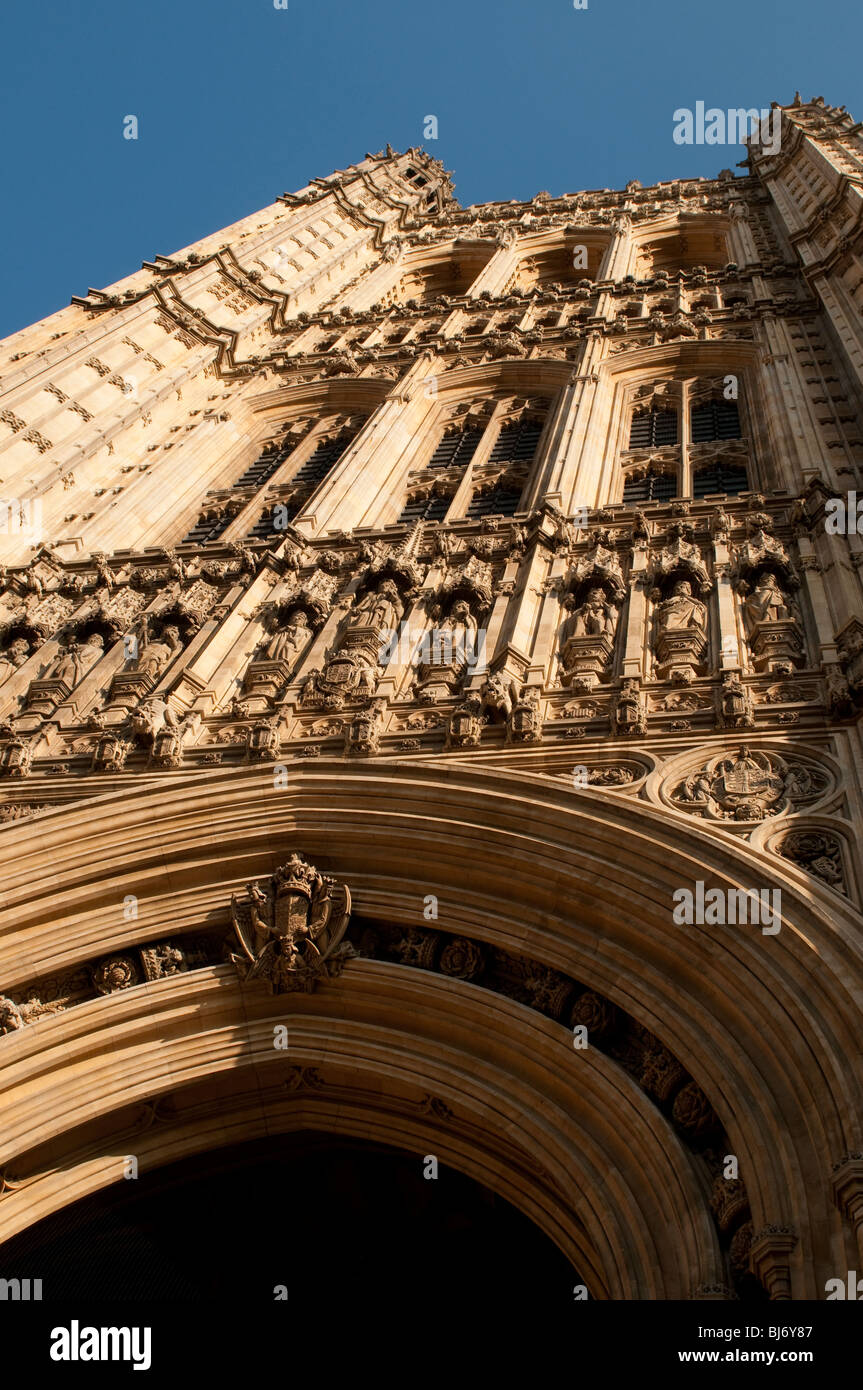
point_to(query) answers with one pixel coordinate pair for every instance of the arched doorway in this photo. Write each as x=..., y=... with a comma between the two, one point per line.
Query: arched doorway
x=612, y=1152
x=289, y=1217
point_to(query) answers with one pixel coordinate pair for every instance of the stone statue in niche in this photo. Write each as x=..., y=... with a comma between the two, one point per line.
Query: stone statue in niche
x=290, y=639
x=352, y=666
x=289, y=633
x=596, y=617
x=767, y=603
x=680, y=634
x=587, y=639
x=379, y=608
x=462, y=624
x=447, y=650
x=156, y=653
x=15, y=656
x=682, y=610
x=71, y=665
x=773, y=630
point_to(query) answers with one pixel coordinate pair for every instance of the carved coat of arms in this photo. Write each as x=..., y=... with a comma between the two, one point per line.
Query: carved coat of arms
x=290, y=927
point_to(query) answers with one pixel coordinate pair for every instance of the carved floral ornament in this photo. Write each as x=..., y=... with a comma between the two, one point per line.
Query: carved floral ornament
x=623, y=774
x=820, y=845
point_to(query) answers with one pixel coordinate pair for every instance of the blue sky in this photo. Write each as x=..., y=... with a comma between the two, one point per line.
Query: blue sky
x=238, y=101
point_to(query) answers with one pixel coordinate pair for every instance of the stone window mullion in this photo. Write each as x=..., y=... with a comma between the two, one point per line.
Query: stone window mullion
x=459, y=503
x=685, y=439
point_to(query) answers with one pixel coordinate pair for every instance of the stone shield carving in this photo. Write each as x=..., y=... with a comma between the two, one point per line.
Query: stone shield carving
x=746, y=784
x=289, y=928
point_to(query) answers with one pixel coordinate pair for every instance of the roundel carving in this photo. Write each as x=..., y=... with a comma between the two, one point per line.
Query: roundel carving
x=746, y=783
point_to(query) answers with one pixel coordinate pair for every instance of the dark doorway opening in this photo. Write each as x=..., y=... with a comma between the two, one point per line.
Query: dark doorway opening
x=327, y=1219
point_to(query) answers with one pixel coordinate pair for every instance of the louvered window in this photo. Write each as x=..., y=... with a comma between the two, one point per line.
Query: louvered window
x=207, y=529
x=264, y=467
x=455, y=450
x=425, y=509
x=653, y=487
x=264, y=526
x=715, y=420
x=501, y=502
x=325, y=457
x=516, y=443
x=652, y=428
x=730, y=478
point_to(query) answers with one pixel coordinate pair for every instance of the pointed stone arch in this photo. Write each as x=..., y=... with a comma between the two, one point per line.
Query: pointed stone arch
x=576, y=880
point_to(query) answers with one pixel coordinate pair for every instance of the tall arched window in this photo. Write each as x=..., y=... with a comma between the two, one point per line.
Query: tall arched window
x=304, y=482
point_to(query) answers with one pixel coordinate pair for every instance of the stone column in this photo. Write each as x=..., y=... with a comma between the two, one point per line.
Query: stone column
x=741, y=242
x=845, y=317
x=636, y=635
x=366, y=487
x=770, y=1257
x=514, y=620
x=730, y=657
x=564, y=468
x=685, y=484
x=848, y=1193
x=791, y=403
x=615, y=262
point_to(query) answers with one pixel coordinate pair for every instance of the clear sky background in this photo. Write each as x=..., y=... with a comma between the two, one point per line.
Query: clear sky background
x=238, y=101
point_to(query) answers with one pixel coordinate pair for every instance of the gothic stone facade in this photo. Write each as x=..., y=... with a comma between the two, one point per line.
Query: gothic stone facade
x=591, y=444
